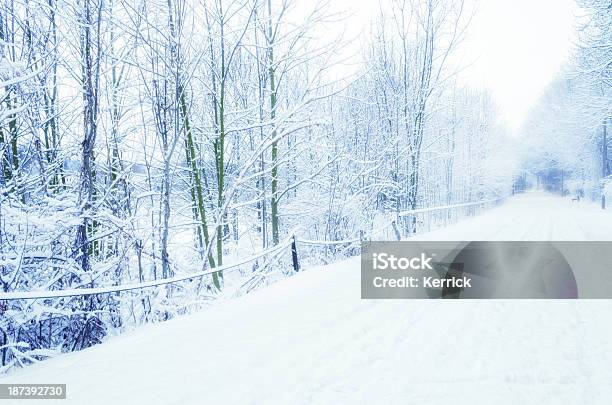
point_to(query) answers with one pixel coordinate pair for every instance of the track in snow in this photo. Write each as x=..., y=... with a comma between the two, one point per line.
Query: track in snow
x=310, y=339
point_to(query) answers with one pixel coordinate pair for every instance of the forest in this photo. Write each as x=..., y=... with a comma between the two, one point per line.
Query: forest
x=567, y=130
x=143, y=141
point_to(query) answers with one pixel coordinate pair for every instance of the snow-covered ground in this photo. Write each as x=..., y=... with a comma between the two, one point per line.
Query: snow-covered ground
x=310, y=339
x=534, y=216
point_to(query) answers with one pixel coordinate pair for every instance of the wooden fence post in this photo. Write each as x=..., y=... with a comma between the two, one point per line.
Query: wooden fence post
x=294, y=256
x=397, y=233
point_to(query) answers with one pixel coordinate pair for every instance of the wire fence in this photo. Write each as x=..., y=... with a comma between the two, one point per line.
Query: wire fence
x=338, y=247
x=28, y=295
x=427, y=219
x=449, y=207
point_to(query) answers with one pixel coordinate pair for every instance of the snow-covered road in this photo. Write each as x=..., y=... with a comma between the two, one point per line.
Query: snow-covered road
x=310, y=339
x=533, y=216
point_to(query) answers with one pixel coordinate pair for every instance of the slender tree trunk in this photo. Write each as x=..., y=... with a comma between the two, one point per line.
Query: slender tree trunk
x=274, y=163
x=604, y=151
x=198, y=193
x=218, y=105
x=90, y=83
x=604, y=162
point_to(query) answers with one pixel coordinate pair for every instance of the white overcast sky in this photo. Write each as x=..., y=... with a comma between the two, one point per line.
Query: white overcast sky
x=516, y=47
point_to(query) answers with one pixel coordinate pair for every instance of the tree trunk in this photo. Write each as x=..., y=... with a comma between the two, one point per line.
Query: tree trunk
x=271, y=78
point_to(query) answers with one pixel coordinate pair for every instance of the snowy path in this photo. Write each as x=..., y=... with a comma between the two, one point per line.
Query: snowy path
x=311, y=339
x=533, y=216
